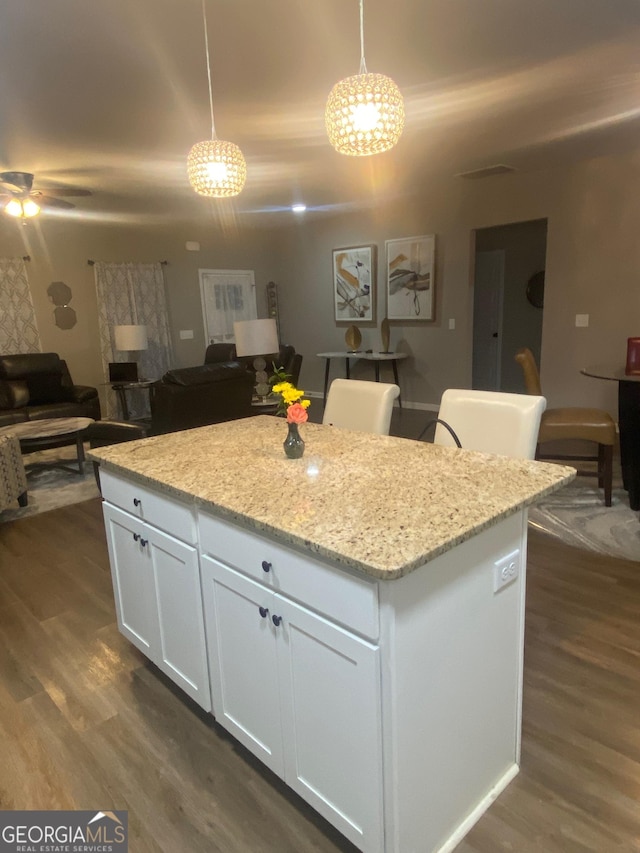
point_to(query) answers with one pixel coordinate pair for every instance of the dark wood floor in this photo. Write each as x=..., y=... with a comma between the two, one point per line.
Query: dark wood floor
x=86, y=722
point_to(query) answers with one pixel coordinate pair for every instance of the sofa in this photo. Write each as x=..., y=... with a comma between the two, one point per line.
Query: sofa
x=38, y=385
x=287, y=358
x=186, y=398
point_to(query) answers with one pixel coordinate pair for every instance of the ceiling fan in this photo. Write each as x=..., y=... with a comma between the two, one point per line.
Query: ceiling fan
x=18, y=198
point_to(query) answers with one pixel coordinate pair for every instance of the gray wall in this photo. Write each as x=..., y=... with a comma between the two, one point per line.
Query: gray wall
x=593, y=259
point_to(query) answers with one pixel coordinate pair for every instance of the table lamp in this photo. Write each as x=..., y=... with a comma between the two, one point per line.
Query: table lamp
x=257, y=338
x=130, y=338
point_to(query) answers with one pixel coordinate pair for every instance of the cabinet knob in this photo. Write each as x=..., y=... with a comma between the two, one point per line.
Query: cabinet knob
x=137, y=501
x=263, y=612
x=276, y=620
x=136, y=536
x=143, y=542
x=266, y=566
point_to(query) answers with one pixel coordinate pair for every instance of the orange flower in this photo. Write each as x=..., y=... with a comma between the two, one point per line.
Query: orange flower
x=297, y=414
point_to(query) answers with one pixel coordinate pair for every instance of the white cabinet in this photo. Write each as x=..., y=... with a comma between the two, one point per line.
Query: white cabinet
x=156, y=581
x=300, y=692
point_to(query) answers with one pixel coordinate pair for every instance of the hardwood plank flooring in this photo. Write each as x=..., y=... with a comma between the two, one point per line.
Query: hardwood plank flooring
x=87, y=722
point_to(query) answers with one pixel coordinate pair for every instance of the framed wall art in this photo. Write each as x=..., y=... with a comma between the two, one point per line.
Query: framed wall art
x=354, y=277
x=410, y=278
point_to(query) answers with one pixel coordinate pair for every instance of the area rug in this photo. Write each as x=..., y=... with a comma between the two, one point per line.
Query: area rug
x=49, y=487
x=576, y=514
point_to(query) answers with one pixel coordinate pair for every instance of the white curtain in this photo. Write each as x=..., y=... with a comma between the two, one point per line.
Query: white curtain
x=133, y=294
x=18, y=327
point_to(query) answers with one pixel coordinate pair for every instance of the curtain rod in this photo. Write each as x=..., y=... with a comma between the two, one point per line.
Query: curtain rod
x=92, y=263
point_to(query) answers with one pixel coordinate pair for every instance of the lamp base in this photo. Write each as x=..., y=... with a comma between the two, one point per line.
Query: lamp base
x=262, y=386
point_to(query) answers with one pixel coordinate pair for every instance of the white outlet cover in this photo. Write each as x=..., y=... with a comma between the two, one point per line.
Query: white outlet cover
x=186, y=334
x=582, y=320
x=506, y=570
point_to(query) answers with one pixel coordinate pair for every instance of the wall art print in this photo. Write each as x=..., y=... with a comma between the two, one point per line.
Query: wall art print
x=354, y=277
x=410, y=278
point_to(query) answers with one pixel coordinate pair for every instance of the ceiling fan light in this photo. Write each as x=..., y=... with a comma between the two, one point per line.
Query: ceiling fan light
x=216, y=169
x=364, y=115
x=13, y=207
x=30, y=208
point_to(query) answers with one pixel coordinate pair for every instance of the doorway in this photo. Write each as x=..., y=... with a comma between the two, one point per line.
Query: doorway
x=506, y=316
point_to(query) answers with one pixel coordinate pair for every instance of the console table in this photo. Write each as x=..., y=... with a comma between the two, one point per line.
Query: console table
x=628, y=423
x=375, y=357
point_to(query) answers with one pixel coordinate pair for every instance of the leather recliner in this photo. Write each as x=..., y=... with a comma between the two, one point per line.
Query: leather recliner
x=38, y=385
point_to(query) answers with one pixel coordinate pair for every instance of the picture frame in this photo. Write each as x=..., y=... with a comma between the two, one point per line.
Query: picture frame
x=354, y=284
x=410, y=277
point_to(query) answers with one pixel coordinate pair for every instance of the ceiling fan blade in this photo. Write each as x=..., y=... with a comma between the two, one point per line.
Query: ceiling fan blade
x=67, y=191
x=21, y=181
x=51, y=201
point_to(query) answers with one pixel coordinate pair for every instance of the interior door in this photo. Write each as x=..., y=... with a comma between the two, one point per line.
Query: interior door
x=487, y=319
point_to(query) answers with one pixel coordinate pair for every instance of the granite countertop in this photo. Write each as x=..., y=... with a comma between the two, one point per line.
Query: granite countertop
x=378, y=504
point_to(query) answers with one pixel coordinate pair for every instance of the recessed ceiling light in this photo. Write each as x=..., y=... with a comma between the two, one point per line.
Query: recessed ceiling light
x=298, y=208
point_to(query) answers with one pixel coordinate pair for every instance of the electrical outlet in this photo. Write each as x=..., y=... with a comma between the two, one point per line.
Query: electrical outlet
x=582, y=320
x=452, y=323
x=506, y=570
x=186, y=334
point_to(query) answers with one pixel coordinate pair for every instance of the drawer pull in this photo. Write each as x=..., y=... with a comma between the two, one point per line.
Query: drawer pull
x=137, y=501
x=144, y=542
x=136, y=536
x=266, y=566
x=263, y=612
x=276, y=620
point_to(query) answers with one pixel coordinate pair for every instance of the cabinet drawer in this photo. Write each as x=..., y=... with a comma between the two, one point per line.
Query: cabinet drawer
x=166, y=513
x=342, y=595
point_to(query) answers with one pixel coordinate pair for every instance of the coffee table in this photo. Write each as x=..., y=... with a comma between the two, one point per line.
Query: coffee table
x=49, y=433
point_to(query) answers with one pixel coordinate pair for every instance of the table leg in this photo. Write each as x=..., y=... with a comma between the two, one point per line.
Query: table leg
x=629, y=422
x=376, y=365
x=326, y=380
x=80, y=448
x=122, y=399
x=394, y=365
x=347, y=368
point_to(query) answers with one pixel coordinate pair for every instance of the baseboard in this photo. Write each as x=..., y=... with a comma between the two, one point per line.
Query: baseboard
x=452, y=842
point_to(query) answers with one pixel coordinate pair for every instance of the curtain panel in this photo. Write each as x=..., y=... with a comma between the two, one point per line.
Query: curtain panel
x=133, y=294
x=18, y=326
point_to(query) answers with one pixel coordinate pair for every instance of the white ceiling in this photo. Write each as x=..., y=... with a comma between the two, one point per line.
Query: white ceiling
x=109, y=96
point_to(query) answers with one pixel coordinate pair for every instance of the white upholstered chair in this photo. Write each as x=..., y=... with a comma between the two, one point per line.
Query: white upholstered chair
x=491, y=421
x=13, y=480
x=364, y=406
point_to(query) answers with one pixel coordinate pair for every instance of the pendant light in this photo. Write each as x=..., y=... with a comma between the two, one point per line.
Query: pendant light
x=215, y=168
x=365, y=113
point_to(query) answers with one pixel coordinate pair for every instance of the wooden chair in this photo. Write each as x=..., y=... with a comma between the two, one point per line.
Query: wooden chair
x=575, y=424
x=491, y=421
x=358, y=405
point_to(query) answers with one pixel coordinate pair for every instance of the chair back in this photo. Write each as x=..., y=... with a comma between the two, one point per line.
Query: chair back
x=527, y=362
x=491, y=421
x=363, y=406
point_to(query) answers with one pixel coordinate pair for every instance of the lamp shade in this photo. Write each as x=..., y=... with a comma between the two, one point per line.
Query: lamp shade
x=256, y=337
x=130, y=338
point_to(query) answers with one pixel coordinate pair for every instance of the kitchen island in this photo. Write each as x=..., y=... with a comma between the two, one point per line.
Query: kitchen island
x=354, y=618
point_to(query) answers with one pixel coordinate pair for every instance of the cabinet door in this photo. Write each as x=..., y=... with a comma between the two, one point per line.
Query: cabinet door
x=132, y=576
x=181, y=653
x=242, y=660
x=331, y=720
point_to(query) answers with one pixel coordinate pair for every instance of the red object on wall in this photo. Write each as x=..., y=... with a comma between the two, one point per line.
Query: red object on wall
x=633, y=357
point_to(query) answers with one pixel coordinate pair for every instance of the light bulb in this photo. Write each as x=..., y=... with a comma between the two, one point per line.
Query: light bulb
x=30, y=208
x=14, y=207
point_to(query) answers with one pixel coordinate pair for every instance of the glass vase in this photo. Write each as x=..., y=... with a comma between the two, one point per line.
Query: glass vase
x=293, y=443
